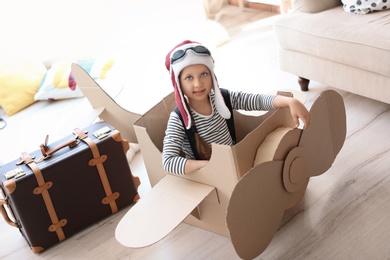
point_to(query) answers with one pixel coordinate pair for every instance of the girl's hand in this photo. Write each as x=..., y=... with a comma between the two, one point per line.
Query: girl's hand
x=298, y=110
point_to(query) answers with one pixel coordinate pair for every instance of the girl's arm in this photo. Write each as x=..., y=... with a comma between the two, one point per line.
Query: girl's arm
x=248, y=101
x=194, y=165
x=298, y=110
x=172, y=161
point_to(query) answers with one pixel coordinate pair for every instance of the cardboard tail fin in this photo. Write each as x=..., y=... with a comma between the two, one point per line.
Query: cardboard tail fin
x=113, y=113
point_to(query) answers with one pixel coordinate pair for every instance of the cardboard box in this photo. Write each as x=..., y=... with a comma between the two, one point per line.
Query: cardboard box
x=245, y=189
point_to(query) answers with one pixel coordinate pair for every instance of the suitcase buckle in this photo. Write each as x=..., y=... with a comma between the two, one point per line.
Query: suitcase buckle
x=15, y=173
x=102, y=132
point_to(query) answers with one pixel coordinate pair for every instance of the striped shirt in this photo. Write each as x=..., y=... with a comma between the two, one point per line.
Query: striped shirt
x=211, y=128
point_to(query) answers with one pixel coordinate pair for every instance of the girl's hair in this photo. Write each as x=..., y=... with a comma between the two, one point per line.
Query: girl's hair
x=203, y=148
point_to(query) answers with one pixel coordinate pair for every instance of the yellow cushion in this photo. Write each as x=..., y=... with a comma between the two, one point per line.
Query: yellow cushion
x=19, y=81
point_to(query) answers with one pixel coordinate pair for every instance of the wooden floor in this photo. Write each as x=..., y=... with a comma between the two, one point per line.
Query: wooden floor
x=345, y=213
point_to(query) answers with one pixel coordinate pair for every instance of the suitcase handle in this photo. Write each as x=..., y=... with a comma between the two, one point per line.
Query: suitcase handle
x=46, y=152
x=5, y=215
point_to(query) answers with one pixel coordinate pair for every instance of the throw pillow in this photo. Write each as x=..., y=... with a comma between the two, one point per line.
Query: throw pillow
x=365, y=6
x=19, y=81
x=59, y=83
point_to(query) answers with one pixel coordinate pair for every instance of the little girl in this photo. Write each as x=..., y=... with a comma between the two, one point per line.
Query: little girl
x=202, y=108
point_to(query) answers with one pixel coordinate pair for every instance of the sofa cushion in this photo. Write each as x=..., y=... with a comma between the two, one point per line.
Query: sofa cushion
x=314, y=6
x=59, y=83
x=354, y=40
x=365, y=6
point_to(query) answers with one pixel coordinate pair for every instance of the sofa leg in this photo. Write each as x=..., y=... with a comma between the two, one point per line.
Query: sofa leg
x=304, y=83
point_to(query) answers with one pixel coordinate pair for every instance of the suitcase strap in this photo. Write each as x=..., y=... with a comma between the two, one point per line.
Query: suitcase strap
x=98, y=161
x=43, y=189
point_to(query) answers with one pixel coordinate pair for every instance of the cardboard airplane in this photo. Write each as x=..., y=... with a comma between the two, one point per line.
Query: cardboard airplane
x=245, y=189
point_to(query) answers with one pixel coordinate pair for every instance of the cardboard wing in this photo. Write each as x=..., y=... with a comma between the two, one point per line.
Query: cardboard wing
x=158, y=213
x=109, y=110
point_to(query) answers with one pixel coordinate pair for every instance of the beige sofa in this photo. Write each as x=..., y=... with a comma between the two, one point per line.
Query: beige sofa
x=319, y=41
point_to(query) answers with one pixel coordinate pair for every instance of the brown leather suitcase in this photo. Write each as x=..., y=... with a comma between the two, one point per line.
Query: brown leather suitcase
x=52, y=193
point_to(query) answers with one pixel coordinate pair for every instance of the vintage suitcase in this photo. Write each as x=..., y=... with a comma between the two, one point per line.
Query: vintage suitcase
x=52, y=193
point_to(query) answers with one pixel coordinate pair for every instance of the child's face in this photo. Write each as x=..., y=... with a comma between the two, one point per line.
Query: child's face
x=196, y=82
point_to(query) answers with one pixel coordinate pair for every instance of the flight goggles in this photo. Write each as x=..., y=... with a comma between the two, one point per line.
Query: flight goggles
x=179, y=54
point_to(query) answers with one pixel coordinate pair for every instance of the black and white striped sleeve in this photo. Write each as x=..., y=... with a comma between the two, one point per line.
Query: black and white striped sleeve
x=173, y=142
x=251, y=102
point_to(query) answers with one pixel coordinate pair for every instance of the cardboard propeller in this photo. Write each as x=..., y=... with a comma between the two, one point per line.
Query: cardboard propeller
x=279, y=184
